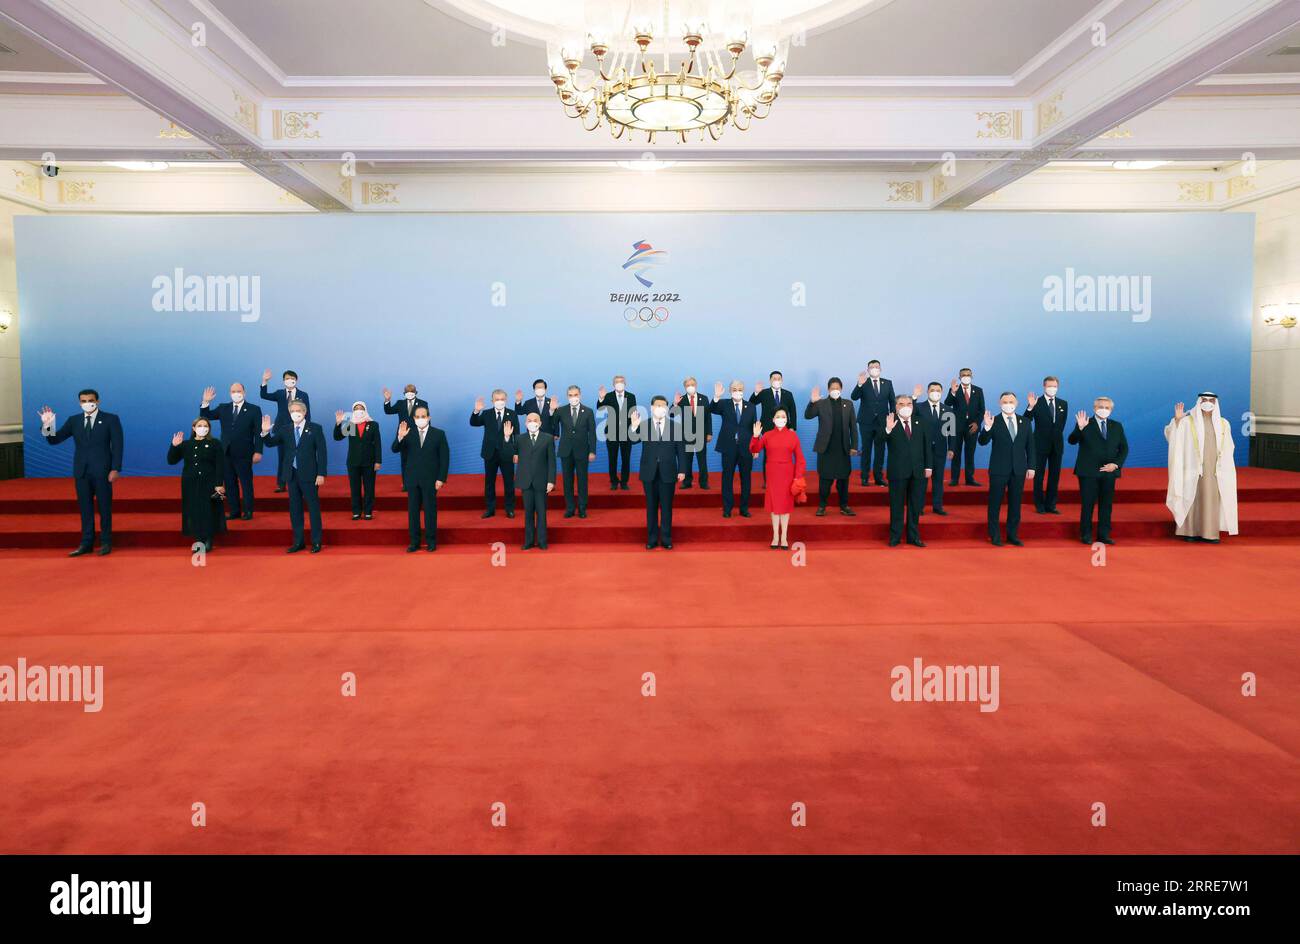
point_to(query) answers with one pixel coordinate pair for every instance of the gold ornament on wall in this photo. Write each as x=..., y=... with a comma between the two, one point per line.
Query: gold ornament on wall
x=1195, y=191
x=172, y=131
x=28, y=184
x=76, y=191
x=1239, y=185
x=246, y=112
x=904, y=191
x=999, y=124
x=293, y=124
x=375, y=193
x=1049, y=112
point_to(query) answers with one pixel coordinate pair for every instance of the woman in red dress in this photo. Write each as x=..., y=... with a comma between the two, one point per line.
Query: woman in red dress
x=784, y=463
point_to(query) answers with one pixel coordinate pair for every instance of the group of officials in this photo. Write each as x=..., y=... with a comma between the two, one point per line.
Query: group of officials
x=904, y=442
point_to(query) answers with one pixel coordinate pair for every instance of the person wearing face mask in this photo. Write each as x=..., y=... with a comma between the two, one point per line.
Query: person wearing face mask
x=282, y=399
x=534, y=455
x=663, y=465
x=836, y=443
x=365, y=455
x=911, y=462
x=1011, y=461
x=241, y=437
x=1048, y=414
x=967, y=401
x=404, y=410
x=876, y=394
x=428, y=459
x=96, y=465
x=783, y=460
x=697, y=426
x=203, y=479
x=1202, y=491
x=776, y=397
x=539, y=404
x=618, y=444
x=939, y=423
x=496, y=451
x=303, y=443
x=732, y=444
x=575, y=428
x=1103, y=447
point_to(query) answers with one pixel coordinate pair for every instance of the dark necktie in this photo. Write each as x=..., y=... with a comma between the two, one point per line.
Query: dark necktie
x=907, y=428
x=87, y=422
x=1103, y=429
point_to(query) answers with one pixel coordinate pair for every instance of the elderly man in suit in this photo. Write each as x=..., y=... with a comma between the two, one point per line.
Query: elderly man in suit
x=619, y=402
x=876, y=395
x=1048, y=413
x=534, y=455
x=836, y=443
x=306, y=463
x=241, y=438
x=736, y=419
x=1103, y=448
x=663, y=465
x=697, y=426
x=1011, y=461
x=425, y=474
x=574, y=426
x=404, y=410
x=96, y=465
x=911, y=462
x=496, y=451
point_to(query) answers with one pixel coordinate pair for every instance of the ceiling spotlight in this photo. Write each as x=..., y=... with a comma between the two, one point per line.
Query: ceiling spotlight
x=139, y=165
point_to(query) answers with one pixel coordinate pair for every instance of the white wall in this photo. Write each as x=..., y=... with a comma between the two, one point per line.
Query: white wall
x=11, y=399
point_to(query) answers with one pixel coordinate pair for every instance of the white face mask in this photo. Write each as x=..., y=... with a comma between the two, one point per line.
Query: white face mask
x=1207, y=406
x=539, y=392
x=290, y=383
x=1008, y=408
x=874, y=372
x=358, y=416
x=498, y=404
x=410, y=395
x=690, y=391
x=422, y=421
x=905, y=412
x=1050, y=391
x=619, y=387
x=833, y=394
x=89, y=407
x=965, y=381
x=660, y=412
x=534, y=427
x=575, y=402
x=776, y=385
x=1102, y=413
x=779, y=422
x=236, y=398
x=737, y=395
x=200, y=432
x=935, y=395
x=299, y=417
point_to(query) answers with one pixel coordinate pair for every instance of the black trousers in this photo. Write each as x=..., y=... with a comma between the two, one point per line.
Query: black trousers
x=1095, y=492
x=573, y=473
x=701, y=461
x=302, y=492
x=906, y=498
x=965, y=443
x=936, y=484
x=740, y=460
x=506, y=466
x=239, y=484
x=283, y=457
x=422, y=497
x=873, y=450
x=1011, y=487
x=361, y=479
x=1045, y=491
x=659, y=510
x=92, y=489
x=404, y=456
x=841, y=486
x=615, y=449
x=534, y=514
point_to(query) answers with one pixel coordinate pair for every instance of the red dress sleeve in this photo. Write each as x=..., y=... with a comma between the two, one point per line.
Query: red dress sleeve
x=799, y=465
x=758, y=443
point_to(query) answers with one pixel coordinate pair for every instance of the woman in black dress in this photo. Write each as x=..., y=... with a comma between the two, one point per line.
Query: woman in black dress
x=202, y=477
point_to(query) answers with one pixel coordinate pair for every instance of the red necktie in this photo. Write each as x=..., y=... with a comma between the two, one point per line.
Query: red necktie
x=907, y=428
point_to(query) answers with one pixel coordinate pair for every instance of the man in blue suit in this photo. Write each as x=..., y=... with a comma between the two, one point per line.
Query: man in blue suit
x=1049, y=414
x=663, y=465
x=497, y=451
x=303, y=444
x=241, y=437
x=96, y=465
x=1011, y=461
x=282, y=399
x=877, y=396
x=732, y=441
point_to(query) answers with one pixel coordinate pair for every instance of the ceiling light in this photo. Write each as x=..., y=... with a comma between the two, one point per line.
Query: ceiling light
x=1137, y=165
x=647, y=164
x=138, y=165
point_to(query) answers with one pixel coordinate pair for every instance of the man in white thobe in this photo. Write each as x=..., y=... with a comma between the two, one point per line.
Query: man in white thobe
x=1202, y=477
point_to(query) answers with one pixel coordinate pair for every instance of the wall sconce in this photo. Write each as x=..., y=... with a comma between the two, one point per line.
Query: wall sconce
x=6, y=319
x=1281, y=315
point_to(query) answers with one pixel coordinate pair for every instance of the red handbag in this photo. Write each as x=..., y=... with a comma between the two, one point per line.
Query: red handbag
x=799, y=489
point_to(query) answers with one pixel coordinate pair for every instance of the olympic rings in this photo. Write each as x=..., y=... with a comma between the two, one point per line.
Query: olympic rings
x=645, y=316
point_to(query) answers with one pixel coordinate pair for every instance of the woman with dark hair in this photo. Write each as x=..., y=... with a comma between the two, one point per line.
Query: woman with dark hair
x=784, y=464
x=203, y=491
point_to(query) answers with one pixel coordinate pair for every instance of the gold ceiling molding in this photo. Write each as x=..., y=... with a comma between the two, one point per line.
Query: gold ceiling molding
x=246, y=112
x=938, y=185
x=999, y=124
x=378, y=193
x=290, y=198
x=1195, y=191
x=172, y=131
x=1239, y=185
x=76, y=191
x=345, y=189
x=1049, y=112
x=1118, y=133
x=293, y=124
x=904, y=191
x=28, y=184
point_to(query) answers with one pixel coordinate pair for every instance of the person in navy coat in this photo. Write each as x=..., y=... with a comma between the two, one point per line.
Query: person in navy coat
x=736, y=421
x=404, y=410
x=96, y=465
x=540, y=404
x=1011, y=461
x=1048, y=413
x=876, y=394
x=939, y=423
x=663, y=465
x=306, y=462
x=282, y=399
x=496, y=451
x=241, y=437
x=967, y=401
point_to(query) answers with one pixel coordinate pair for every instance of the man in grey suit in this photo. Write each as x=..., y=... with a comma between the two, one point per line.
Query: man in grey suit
x=534, y=457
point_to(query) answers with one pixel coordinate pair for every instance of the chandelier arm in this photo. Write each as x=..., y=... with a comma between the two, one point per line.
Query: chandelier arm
x=735, y=61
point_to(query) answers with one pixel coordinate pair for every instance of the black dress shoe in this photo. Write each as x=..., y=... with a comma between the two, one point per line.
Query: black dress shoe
x=1085, y=540
x=622, y=486
x=996, y=542
x=84, y=549
x=651, y=545
x=315, y=548
x=432, y=547
x=785, y=547
x=613, y=486
x=247, y=516
x=412, y=548
x=356, y=517
x=510, y=514
x=369, y=515
x=894, y=542
x=917, y=543
x=295, y=549
x=686, y=485
x=541, y=546
x=847, y=511
x=821, y=511
x=882, y=484
x=1016, y=541
x=232, y=516
x=745, y=514
x=570, y=514
x=1052, y=511
x=972, y=482
x=704, y=486
x=953, y=484
x=1106, y=540
x=488, y=514
x=1040, y=511
x=281, y=488
x=725, y=513
x=667, y=545
x=106, y=549
x=865, y=480
x=583, y=513
x=776, y=547
x=526, y=547
x=940, y=511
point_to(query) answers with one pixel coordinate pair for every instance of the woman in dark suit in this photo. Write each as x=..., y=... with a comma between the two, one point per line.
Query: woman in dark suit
x=364, y=457
x=203, y=477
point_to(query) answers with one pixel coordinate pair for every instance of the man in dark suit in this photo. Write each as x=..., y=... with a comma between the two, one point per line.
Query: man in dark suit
x=967, y=401
x=426, y=467
x=1048, y=414
x=496, y=452
x=939, y=422
x=282, y=399
x=540, y=404
x=305, y=468
x=736, y=425
x=241, y=438
x=575, y=427
x=534, y=453
x=835, y=445
x=96, y=465
x=617, y=405
x=1011, y=460
x=404, y=410
x=773, y=399
x=663, y=465
x=365, y=456
x=876, y=394
x=1103, y=447
x=911, y=462
x=697, y=428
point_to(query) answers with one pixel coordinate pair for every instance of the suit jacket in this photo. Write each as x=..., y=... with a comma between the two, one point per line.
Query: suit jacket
x=1049, y=428
x=242, y=437
x=769, y=404
x=661, y=459
x=364, y=451
x=697, y=426
x=428, y=464
x=1094, y=452
x=536, y=466
x=281, y=399
x=312, y=456
x=574, y=440
x=1007, y=457
x=828, y=411
x=494, y=441
x=874, y=407
x=405, y=412
x=940, y=444
x=733, y=436
x=967, y=413
x=529, y=405
x=616, y=426
x=909, y=457
x=96, y=452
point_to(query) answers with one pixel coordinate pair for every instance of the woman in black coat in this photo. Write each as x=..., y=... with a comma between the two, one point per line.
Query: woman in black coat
x=202, y=481
x=365, y=455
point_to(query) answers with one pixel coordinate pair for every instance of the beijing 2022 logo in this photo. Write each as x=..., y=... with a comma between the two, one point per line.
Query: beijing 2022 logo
x=648, y=313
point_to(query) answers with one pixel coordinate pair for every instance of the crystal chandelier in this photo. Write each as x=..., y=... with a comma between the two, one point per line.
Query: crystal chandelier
x=637, y=86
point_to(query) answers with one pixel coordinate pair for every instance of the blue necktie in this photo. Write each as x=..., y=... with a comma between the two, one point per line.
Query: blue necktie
x=297, y=438
x=1103, y=429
